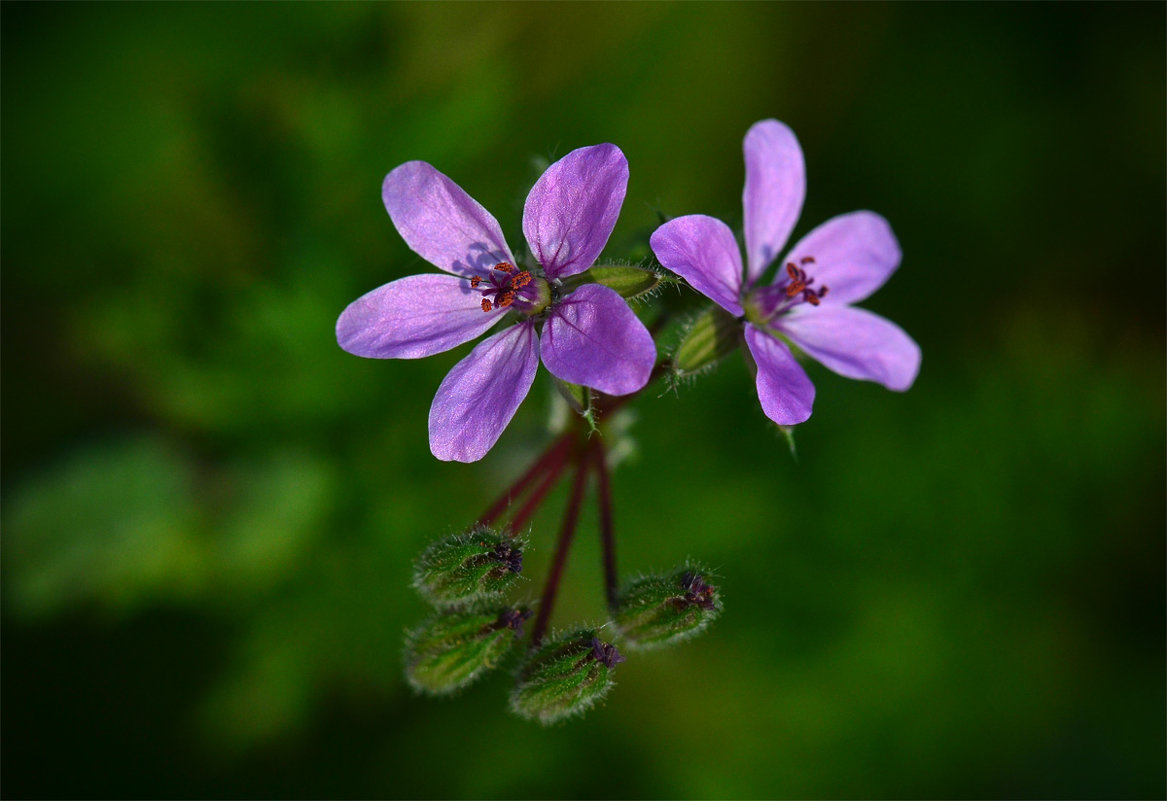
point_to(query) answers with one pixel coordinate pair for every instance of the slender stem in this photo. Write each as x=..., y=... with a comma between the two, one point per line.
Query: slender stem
x=607, y=534
x=554, y=471
x=570, y=518
x=608, y=404
x=556, y=450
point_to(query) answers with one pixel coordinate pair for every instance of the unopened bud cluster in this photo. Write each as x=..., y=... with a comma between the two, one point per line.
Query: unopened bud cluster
x=464, y=576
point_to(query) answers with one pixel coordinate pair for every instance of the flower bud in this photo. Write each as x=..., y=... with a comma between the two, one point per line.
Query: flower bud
x=627, y=280
x=481, y=564
x=655, y=611
x=565, y=677
x=711, y=336
x=449, y=651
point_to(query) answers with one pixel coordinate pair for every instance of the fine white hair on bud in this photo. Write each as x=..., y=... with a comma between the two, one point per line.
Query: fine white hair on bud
x=659, y=610
x=565, y=677
x=479, y=565
x=453, y=649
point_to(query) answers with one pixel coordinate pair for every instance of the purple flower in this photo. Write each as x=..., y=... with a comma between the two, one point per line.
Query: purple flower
x=588, y=336
x=852, y=255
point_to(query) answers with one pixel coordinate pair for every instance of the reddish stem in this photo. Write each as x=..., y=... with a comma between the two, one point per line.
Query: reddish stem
x=570, y=518
x=607, y=533
x=555, y=451
x=554, y=471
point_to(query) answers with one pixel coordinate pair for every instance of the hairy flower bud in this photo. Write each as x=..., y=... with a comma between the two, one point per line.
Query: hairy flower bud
x=655, y=611
x=565, y=677
x=481, y=564
x=711, y=336
x=625, y=279
x=453, y=649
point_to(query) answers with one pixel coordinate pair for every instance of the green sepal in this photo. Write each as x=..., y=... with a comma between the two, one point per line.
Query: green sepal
x=660, y=610
x=787, y=433
x=479, y=565
x=627, y=280
x=564, y=677
x=710, y=337
x=579, y=398
x=451, y=650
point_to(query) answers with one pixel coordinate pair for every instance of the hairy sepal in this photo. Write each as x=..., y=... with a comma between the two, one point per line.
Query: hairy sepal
x=658, y=610
x=479, y=565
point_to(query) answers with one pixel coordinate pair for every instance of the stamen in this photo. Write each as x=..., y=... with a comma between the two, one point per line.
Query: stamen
x=500, y=286
x=799, y=283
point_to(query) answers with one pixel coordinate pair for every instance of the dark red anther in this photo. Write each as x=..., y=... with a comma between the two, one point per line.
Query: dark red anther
x=807, y=260
x=475, y=281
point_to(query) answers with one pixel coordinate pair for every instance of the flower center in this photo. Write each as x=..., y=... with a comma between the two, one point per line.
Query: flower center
x=799, y=282
x=764, y=303
x=502, y=286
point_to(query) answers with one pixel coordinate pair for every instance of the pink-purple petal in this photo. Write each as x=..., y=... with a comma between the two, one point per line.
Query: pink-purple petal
x=855, y=343
x=413, y=317
x=441, y=223
x=572, y=209
x=478, y=398
x=774, y=191
x=592, y=338
x=785, y=391
x=854, y=254
x=702, y=250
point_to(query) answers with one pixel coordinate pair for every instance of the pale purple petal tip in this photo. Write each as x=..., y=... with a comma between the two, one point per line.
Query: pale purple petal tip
x=702, y=250
x=592, y=338
x=478, y=398
x=441, y=223
x=855, y=343
x=854, y=254
x=785, y=391
x=413, y=317
x=572, y=209
x=774, y=191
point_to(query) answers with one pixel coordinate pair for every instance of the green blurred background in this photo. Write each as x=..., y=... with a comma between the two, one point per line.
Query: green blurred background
x=209, y=510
